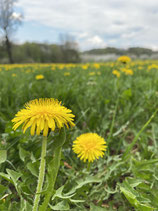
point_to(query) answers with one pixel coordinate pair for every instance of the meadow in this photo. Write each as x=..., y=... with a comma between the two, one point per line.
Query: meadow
x=118, y=101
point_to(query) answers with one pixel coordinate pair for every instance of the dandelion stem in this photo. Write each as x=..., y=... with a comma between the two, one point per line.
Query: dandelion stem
x=113, y=121
x=88, y=166
x=127, y=152
x=112, y=125
x=54, y=166
x=41, y=175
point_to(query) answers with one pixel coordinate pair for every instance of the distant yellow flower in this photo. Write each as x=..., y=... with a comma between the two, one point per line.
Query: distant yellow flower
x=85, y=67
x=67, y=73
x=96, y=65
x=152, y=66
x=116, y=72
x=123, y=70
x=124, y=59
x=39, y=77
x=42, y=114
x=13, y=75
x=89, y=146
x=28, y=71
x=92, y=73
x=129, y=72
x=61, y=66
x=53, y=68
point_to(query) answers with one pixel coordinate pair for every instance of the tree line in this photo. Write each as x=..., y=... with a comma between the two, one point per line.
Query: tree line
x=137, y=51
x=40, y=53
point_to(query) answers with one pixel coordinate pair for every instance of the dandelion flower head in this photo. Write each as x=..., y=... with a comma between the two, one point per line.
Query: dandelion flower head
x=89, y=146
x=96, y=65
x=129, y=72
x=116, y=72
x=42, y=114
x=124, y=59
x=13, y=75
x=39, y=77
x=66, y=73
x=92, y=73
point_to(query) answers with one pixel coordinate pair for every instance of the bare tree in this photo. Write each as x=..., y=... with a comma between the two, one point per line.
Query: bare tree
x=69, y=48
x=9, y=21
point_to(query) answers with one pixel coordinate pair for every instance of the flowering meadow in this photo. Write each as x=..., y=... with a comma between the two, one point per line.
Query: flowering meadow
x=91, y=130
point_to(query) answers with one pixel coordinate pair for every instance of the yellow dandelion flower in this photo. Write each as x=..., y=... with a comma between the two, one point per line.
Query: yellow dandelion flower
x=39, y=77
x=123, y=70
x=66, y=73
x=99, y=73
x=92, y=73
x=153, y=66
x=89, y=146
x=61, y=66
x=96, y=65
x=129, y=72
x=42, y=114
x=53, y=68
x=13, y=75
x=116, y=72
x=28, y=71
x=124, y=59
x=85, y=67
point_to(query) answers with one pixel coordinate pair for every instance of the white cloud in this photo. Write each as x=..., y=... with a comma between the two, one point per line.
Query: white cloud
x=96, y=40
x=17, y=16
x=98, y=22
x=93, y=42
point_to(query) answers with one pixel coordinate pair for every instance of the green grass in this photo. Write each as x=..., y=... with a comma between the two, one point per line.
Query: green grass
x=126, y=178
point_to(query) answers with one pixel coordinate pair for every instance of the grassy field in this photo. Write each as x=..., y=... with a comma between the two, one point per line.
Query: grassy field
x=117, y=101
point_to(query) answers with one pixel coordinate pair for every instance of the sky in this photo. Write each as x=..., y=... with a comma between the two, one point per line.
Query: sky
x=91, y=23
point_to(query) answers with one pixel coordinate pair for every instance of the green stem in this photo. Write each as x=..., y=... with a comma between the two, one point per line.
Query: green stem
x=138, y=134
x=113, y=121
x=41, y=174
x=88, y=166
x=112, y=125
x=54, y=167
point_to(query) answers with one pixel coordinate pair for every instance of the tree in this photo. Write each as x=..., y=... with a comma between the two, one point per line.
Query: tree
x=9, y=21
x=69, y=49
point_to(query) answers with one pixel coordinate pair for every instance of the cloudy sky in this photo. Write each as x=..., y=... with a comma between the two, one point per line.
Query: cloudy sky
x=92, y=23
